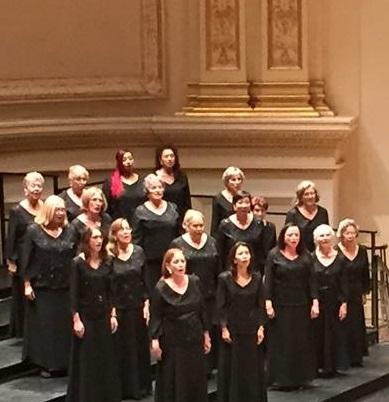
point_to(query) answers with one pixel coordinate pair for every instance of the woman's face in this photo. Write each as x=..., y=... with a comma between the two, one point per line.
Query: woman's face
x=124, y=234
x=78, y=183
x=196, y=227
x=292, y=237
x=128, y=160
x=234, y=183
x=243, y=205
x=59, y=215
x=349, y=235
x=325, y=238
x=155, y=191
x=96, y=241
x=177, y=265
x=33, y=190
x=242, y=255
x=259, y=212
x=96, y=204
x=309, y=196
x=167, y=159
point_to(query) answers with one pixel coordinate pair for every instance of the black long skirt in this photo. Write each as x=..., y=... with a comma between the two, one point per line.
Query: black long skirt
x=133, y=354
x=241, y=374
x=291, y=360
x=48, y=329
x=18, y=306
x=181, y=374
x=93, y=375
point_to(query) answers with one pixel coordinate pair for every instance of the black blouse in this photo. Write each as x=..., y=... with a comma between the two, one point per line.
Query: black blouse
x=358, y=274
x=180, y=319
x=332, y=281
x=221, y=209
x=228, y=234
x=90, y=293
x=154, y=232
x=127, y=279
x=72, y=209
x=19, y=219
x=203, y=262
x=289, y=282
x=307, y=226
x=125, y=204
x=240, y=308
x=46, y=260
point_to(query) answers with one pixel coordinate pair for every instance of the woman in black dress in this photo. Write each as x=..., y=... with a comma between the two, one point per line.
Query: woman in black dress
x=132, y=308
x=178, y=329
x=168, y=169
x=123, y=190
x=20, y=216
x=222, y=208
x=202, y=259
x=93, y=375
x=241, y=226
x=328, y=264
x=240, y=303
x=291, y=302
x=47, y=254
x=78, y=178
x=94, y=206
x=155, y=225
x=357, y=269
x=307, y=214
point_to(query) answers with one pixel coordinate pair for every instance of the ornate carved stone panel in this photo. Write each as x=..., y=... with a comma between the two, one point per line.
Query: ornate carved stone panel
x=285, y=34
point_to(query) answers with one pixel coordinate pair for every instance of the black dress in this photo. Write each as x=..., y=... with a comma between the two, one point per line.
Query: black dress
x=178, y=193
x=359, y=284
x=72, y=209
x=46, y=263
x=19, y=219
x=241, y=374
x=131, y=339
x=93, y=375
x=125, y=204
x=154, y=234
x=269, y=237
x=291, y=286
x=331, y=352
x=307, y=226
x=179, y=322
x=221, y=209
x=228, y=234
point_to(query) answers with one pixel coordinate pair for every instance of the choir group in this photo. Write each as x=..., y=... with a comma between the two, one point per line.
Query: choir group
x=105, y=279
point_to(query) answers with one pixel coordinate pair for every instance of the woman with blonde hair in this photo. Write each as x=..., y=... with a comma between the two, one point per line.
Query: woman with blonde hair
x=130, y=298
x=48, y=250
x=20, y=216
x=306, y=213
x=357, y=270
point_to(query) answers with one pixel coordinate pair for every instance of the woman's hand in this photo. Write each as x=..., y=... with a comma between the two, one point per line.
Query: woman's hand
x=156, y=350
x=226, y=335
x=342, y=311
x=114, y=324
x=315, y=309
x=12, y=268
x=269, y=309
x=78, y=328
x=207, y=342
x=29, y=291
x=260, y=335
x=146, y=311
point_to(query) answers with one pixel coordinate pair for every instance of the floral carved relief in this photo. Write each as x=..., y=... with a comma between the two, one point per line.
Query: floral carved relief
x=222, y=34
x=284, y=28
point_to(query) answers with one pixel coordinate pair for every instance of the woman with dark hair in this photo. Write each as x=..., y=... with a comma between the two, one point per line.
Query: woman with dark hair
x=132, y=308
x=123, y=190
x=93, y=375
x=222, y=207
x=240, y=304
x=47, y=254
x=241, y=226
x=78, y=178
x=179, y=333
x=20, y=216
x=155, y=225
x=291, y=302
x=168, y=169
x=306, y=213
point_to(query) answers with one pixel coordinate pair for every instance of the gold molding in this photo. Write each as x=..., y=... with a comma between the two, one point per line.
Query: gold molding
x=150, y=85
